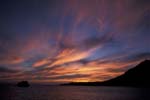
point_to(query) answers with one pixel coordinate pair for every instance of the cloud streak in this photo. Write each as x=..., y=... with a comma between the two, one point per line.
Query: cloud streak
x=72, y=40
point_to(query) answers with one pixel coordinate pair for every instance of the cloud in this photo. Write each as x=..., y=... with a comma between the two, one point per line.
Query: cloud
x=72, y=40
x=41, y=63
x=71, y=55
x=7, y=70
x=11, y=60
x=138, y=56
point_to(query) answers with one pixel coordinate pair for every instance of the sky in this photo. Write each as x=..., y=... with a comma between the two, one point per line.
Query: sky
x=59, y=41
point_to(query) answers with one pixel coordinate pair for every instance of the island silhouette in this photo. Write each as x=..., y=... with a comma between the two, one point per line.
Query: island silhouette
x=138, y=76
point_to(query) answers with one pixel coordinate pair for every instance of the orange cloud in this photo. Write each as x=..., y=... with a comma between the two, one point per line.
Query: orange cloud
x=76, y=72
x=12, y=60
x=71, y=55
x=92, y=71
x=41, y=62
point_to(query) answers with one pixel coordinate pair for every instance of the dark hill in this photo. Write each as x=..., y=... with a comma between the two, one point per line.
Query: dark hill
x=138, y=76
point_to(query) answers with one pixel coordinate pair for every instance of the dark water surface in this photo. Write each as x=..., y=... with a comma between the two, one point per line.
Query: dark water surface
x=73, y=93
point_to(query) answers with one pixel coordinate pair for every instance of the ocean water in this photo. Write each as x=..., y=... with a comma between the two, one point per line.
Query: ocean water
x=73, y=93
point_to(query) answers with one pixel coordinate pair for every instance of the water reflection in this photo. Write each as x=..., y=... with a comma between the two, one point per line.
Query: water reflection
x=74, y=93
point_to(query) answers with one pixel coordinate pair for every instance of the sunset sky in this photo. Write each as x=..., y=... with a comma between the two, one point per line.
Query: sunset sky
x=57, y=41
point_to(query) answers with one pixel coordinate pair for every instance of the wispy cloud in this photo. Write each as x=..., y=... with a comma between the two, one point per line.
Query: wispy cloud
x=72, y=40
